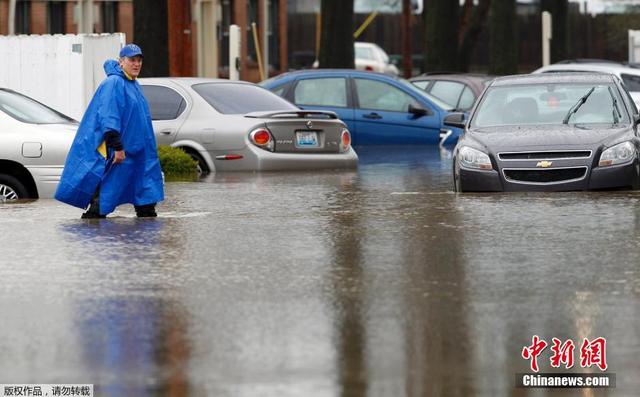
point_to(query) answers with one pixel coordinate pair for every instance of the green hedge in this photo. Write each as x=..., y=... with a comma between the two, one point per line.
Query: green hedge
x=176, y=163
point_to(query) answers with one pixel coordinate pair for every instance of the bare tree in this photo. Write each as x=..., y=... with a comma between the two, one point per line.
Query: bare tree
x=471, y=26
x=503, y=38
x=151, y=34
x=336, y=37
x=441, y=35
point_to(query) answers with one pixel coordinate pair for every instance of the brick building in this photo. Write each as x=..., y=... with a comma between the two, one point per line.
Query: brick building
x=197, y=29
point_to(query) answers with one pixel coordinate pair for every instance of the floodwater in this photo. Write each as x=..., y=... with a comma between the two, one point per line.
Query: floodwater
x=375, y=282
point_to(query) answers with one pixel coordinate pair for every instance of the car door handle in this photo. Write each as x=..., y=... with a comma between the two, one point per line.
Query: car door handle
x=167, y=131
x=372, y=116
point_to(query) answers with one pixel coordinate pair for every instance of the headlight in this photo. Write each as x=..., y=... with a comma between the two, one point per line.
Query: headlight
x=618, y=154
x=472, y=158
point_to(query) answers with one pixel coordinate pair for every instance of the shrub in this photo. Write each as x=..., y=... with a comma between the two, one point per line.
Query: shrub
x=175, y=162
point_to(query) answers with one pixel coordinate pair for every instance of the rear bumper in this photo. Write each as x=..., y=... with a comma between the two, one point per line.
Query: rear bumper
x=256, y=159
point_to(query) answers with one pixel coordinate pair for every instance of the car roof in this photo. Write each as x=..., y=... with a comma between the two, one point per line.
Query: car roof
x=544, y=78
x=478, y=77
x=304, y=72
x=187, y=81
x=595, y=67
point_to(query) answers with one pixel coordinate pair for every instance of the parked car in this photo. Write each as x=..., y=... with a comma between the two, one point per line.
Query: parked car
x=371, y=57
x=377, y=108
x=34, y=141
x=630, y=76
x=460, y=90
x=238, y=126
x=549, y=132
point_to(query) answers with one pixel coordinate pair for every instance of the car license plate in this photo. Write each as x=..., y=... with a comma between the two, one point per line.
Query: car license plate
x=306, y=138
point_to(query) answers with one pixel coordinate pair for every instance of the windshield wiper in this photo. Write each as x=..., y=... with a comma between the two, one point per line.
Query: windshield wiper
x=576, y=106
x=617, y=116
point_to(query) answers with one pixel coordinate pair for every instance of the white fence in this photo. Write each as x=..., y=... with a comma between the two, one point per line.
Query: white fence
x=634, y=46
x=61, y=71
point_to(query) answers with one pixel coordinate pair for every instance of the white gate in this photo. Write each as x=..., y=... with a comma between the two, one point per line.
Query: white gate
x=61, y=71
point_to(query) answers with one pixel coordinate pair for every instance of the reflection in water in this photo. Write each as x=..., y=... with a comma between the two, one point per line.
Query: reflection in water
x=375, y=242
x=347, y=284
x=565, y=275
x=133, y=338
x=436, y=326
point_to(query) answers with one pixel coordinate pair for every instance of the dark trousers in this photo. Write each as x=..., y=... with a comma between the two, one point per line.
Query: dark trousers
x=142, y=211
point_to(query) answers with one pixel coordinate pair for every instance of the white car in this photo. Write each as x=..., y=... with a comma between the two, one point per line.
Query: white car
x=370, y=56
x=34, y=142
x=629, y=76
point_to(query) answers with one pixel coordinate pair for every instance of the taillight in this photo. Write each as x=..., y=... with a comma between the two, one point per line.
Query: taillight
x=368, y=68
x=345, y=141
x=262, y=138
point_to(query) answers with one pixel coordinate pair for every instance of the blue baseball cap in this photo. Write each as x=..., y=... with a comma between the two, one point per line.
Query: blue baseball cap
x=130, y=51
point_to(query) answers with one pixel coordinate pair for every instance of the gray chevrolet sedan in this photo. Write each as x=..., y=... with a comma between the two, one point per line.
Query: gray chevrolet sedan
x=34, y=141
x=238, y=126
x=558, y=132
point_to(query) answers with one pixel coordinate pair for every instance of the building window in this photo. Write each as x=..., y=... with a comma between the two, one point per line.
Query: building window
x=56, y=11
x=109, y=16
x=227, y=20
x=252, y=16
x=274, y=37
x=23, y=9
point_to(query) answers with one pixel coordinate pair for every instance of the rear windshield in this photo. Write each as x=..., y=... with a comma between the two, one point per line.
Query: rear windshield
x=235, y=98
x=30, y=111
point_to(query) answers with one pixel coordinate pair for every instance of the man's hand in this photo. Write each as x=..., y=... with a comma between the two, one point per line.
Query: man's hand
x=118, y=157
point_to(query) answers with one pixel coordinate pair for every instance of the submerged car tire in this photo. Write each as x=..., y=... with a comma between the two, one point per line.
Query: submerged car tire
x=11, y=189
x=203, y=168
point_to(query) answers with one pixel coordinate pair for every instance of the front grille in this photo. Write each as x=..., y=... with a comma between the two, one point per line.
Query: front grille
x=577, y=154
x=556, y=175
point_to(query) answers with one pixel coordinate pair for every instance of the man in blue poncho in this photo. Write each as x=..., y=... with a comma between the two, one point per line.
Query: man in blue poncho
x=114, y=158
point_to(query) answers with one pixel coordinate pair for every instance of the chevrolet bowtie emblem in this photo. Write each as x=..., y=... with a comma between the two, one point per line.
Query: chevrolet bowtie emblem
x=544, y=164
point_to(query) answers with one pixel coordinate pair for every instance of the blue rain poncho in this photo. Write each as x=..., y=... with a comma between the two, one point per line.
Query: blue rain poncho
x=118, y=105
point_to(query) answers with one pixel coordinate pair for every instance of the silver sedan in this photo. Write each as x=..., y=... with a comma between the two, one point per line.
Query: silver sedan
x=34, y=141
x=239, y=126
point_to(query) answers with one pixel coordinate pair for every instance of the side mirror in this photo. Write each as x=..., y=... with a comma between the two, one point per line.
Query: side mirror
x=419, y=111
x=636, y=119
x=455, y=120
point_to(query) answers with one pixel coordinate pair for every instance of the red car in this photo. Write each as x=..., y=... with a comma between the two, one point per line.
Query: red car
x=460, y=90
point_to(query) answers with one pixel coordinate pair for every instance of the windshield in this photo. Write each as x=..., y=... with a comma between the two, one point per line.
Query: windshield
x=560, y=103
x=436, y=101
x=27, y=110
x=236, y=98
x=364, y=53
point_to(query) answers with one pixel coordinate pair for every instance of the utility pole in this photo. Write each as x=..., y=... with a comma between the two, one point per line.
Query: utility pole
x=406, y=39
x=12, y=17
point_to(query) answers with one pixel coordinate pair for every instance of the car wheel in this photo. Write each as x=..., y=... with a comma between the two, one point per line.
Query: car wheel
x=456, y=185
x=456, y=180
x=11, y=189
x=202, y=168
